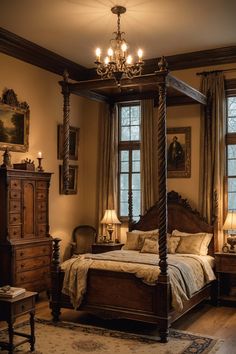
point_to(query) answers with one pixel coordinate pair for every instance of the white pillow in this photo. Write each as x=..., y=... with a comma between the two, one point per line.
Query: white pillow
x=202, y=240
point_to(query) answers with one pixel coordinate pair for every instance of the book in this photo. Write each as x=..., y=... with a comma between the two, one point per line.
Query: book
x=9, y=292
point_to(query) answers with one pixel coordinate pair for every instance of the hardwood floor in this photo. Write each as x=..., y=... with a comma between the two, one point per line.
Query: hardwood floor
x=219, y=322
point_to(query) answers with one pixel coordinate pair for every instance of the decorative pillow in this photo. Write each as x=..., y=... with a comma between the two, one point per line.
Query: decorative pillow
x=132, y=241
x=172, y=244
x=203, y=250
x=150, y=246
x=144, y=236
x=146, y=232
x=190, y=244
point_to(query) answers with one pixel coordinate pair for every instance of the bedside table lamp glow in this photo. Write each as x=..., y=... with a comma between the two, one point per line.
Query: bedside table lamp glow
x=110, y=219
x=230, y=224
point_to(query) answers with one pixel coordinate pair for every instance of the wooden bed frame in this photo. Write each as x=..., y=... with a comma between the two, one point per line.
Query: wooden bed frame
x=120, y=295
x=126, y=296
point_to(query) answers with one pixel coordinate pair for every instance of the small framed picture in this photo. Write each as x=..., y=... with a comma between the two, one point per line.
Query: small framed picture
x=179, y=152
x=73, y=177
x=73, y=142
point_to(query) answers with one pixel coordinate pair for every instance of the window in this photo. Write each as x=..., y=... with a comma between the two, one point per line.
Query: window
x=231, y=151
x=129, y=159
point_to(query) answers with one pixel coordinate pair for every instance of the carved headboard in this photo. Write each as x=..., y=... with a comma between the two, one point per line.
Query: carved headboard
x=180, y=216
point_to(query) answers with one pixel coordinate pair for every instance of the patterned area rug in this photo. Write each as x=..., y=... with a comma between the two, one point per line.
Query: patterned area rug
x=70, y=338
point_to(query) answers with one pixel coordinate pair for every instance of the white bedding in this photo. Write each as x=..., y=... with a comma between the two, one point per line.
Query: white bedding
x=188, y=273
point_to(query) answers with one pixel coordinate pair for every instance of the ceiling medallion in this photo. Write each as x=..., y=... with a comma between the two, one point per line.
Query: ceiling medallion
x=118, y=63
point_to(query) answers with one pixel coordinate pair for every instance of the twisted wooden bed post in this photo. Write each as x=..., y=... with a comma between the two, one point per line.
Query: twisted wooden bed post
x=66, y=131
x=163, y=278
x=55, y=274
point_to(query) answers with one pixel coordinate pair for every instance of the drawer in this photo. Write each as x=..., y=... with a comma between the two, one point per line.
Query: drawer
x=42, y=230
x=14, y=232
x=42, y=185
x=41, y=217
x=15, y=194
x=32, y=275
x=42, y=206
x=226, y=264
x=15, y=184
x=23, y=306
x=14, y=206
x=41, y=285
x=41, y=194
x=32, y=263
x=14, y=218
x=29, y=252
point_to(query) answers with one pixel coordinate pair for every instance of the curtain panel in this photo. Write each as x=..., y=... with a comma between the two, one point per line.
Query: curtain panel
x=212, y=148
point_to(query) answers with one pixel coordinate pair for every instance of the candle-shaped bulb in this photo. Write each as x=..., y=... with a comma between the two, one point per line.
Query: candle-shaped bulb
x=129, y=59
x=98, y=54
x=140, y=54
x=124, y=47
x=106, y=60
x=110, y=52
x=40, y=154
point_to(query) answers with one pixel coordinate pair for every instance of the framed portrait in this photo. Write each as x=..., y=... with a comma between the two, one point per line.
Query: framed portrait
x=73, y=143
x=73, y=177
x=179, y=152
x=14, y=123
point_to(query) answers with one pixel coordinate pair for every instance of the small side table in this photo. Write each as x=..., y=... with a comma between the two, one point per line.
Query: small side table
x=106, y=247
x=10, y=309
x=225, y=267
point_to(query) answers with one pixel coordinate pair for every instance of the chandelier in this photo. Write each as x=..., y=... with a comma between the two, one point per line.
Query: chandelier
x=118, y=63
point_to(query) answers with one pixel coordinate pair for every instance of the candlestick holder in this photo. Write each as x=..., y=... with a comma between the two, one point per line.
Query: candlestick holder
x=40, y=168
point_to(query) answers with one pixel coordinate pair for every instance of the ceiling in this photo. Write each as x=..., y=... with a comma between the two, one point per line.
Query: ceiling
x=74, y=28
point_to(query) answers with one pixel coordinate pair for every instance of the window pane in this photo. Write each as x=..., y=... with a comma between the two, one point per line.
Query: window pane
x=232, y=106
x=124, y=155
x=232, y=151
x=231, y=125
x=135, y=133
x=124, y=196
x=232, y=167
x=125, y=133
x=136, y=155
x=136, y=181
x=124, y=167
x=232, y=184
x=232, y=200
x=136, y=160
x=124, y=181
x=125, y=115
x=135, y=114
x=136, y=203
x=124, y=209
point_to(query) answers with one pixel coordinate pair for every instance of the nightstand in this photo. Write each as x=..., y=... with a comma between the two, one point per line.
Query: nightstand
x=226, y=276
x=106, y=247
x=10, y=309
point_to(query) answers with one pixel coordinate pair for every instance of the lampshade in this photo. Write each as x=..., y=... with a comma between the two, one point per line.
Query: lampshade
x=230, y=221
x=110, y=217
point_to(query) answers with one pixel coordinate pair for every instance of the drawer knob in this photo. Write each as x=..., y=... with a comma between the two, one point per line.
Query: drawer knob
x=22, y=278
x=22, y=307
x=22, y=254
x=22, y=265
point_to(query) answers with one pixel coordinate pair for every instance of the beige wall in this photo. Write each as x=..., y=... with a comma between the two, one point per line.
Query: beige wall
x=40, y=89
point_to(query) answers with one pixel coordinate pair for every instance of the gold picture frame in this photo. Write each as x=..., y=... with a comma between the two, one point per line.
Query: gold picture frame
x=14, y=123
x=73, y=142
x=179, y=152
x=73, y=178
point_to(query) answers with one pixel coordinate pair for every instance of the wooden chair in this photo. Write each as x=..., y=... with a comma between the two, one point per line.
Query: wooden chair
x=83, y=237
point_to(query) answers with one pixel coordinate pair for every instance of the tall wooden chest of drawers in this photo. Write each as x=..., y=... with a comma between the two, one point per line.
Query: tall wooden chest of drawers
x=25, y=243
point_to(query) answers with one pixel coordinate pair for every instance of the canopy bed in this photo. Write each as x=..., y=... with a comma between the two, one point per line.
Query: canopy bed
x=117, y=294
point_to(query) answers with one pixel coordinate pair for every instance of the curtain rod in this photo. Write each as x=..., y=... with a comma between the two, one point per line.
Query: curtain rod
x=215, y=71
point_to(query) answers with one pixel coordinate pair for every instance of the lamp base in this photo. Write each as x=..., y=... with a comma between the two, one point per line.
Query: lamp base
x=231, y=240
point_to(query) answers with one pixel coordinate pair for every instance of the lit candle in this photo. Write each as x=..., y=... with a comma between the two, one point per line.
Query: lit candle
x=40, y=154
x=106, y=61
x=129, y=60
x=110, y=53
x=140, y=54
x=98, y=54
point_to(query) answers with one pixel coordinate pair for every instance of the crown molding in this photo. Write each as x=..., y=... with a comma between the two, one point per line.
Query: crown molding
x=18, y=47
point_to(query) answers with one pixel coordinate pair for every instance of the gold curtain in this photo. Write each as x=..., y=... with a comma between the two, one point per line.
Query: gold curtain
x=212, y=146
x=149, y=178
x=108, y=161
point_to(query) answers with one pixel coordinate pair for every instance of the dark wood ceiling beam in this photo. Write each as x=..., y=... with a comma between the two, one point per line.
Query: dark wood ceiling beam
x=22, y=49
x=187, y=90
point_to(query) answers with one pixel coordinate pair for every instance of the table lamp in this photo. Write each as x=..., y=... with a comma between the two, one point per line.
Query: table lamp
x=110, y=219
x=230, y=224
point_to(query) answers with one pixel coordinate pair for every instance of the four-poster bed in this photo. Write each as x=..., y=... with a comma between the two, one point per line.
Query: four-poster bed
x=120, y=294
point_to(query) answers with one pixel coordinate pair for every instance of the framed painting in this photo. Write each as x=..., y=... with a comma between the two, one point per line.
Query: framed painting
x=73, y=177
x=179, y=152
x=73, y=142
x=14, y=123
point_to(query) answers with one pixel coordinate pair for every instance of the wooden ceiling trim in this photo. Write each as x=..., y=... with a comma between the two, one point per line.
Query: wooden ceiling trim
x=18, y=47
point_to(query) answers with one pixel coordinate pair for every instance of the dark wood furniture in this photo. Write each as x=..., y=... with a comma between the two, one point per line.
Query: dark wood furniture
x=135, y=300
x=106, y=247
x=121, y=295
x=25, y=244
x=10, y=309
x=83, y=237
x=226, y=275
